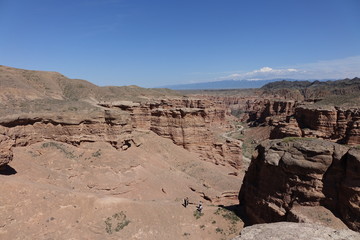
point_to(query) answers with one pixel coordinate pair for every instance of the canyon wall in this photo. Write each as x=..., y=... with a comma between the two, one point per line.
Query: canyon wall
x=187, y=122
x=265, y=111
x=21, y=130
x=336, y=124
x=292, y=119
x=286, y=174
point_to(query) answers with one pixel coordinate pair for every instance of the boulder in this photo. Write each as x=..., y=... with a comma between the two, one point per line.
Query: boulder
x=294, y=231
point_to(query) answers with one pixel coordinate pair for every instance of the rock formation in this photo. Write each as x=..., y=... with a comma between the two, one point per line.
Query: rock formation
x=265, y=111
x=294, y=231
x=292, y=119
x=336, y=124
x=188, y=123
x=106, y=126
x=284, y=174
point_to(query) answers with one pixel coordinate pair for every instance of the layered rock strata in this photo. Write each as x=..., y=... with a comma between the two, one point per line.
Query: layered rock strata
x=107, y=126
x=188, y=123
x=302, y=172
x=336, y=124
x=265, y=111
x=290, y=119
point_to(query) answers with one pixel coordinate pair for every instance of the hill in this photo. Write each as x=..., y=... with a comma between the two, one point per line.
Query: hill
x=33, y=91
x=226, y=84
x=339, y=92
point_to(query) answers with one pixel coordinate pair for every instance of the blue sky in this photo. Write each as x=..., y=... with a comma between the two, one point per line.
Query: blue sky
x=162, y=42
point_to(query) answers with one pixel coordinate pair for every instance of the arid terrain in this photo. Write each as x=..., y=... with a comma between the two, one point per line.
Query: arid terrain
x=78, y=161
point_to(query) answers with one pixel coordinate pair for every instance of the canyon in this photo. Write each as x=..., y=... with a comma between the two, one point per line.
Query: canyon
x=117, y=162
x=77, y=156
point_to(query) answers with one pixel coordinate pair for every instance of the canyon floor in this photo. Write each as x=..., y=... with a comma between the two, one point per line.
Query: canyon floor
x=58, y=191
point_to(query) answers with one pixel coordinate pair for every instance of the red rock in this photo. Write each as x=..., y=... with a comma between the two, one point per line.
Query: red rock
x=305, y=172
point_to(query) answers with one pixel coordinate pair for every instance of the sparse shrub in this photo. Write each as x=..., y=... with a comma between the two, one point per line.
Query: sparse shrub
x=357, y=147
x=237, y=112
x=34, y=154
x=108, y=225
x=119, y=220
x=59, y=146
x=97, y=153
x=198, y=214
x=227, y=214
x=219, y=230
x=231, y=216
x=74, y=109
x=217, y=212
x=292, y=139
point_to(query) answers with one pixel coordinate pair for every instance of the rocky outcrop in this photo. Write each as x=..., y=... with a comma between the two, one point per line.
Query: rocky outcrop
x=107, y=126
x=302, y=172
x=288, y=128
x=336, y=124
x=188, y=123
x=294, y=231
x=267, y=111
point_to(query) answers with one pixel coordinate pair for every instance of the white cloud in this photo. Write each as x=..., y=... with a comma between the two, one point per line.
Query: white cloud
x=262, y=73
x=330, y=69
x=266, y=69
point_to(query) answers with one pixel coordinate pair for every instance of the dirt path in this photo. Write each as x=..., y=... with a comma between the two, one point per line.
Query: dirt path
x=227, y=136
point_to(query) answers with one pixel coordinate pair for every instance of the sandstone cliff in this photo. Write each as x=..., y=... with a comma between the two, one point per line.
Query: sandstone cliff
x=265, y=111
x=188, y=123
x=333, y=123
x=292, y=119
x=105, y=126
x=286, y=174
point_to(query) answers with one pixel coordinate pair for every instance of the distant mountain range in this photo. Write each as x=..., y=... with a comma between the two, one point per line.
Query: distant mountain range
x=226, y=84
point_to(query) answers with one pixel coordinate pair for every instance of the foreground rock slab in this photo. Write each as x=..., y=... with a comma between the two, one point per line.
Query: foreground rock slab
x=294, y=231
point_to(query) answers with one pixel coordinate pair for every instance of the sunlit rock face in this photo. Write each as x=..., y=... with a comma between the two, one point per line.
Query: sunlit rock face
x=188, y=123
x=289, y=119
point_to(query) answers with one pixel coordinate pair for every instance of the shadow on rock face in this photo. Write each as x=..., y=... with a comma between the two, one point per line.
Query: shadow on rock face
x=7, y=170
x=237, y=210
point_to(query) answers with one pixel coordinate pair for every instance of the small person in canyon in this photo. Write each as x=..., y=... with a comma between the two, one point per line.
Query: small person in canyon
x=199, y=207
x=186, y=202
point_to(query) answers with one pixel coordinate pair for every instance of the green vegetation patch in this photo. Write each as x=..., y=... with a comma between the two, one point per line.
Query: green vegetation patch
x=116, y=222
x=248, y=147
x=292, y=139
x=357, y=147
x=97, y=153
x=60, y=147
x=231, y=217
x=219, y=230
x=198, y=214
x=228, y=215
